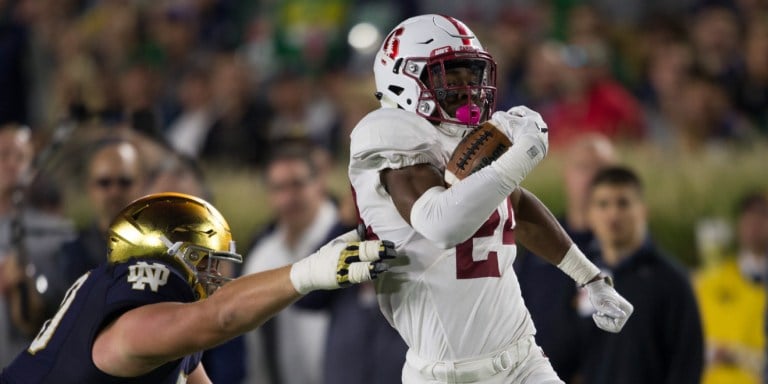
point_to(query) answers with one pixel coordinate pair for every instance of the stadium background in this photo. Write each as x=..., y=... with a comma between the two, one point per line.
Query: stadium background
x=117, y=59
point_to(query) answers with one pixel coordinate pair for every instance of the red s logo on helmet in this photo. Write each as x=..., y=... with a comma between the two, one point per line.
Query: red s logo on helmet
x=392, y=44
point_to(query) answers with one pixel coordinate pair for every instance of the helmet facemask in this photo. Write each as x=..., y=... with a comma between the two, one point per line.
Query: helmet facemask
x=458, y=88
x=202, y=264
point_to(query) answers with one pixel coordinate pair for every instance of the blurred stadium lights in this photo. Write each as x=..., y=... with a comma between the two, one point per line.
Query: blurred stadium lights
x=364, y=38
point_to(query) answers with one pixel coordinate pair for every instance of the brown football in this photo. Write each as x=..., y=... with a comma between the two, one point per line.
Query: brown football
x=475, y=151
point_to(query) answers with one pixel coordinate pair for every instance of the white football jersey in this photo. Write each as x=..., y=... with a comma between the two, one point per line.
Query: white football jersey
x=447, y=304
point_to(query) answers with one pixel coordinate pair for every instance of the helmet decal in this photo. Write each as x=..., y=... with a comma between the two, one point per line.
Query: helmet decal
x=392, y=44
x=461, y=29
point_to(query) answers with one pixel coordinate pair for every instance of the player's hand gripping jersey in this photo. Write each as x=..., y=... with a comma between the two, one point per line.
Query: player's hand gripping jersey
x=447, y=304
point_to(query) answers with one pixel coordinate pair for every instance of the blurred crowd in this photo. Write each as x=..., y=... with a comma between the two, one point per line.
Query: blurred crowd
x=142, y=94
x=219, y=79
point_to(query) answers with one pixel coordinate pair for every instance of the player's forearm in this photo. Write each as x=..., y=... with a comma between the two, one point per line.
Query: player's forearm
x=538, y=230
x=249, y=301
x=152, y=335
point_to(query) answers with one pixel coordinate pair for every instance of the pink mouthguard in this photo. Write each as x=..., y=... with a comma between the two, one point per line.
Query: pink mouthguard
x=468, y=114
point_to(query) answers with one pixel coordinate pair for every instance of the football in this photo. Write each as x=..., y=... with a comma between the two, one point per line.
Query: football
x=475, y=151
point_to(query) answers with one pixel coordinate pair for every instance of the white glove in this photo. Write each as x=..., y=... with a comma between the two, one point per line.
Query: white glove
x=342, y=262
x=613, y=311
x=523, y=124
x=528, y=133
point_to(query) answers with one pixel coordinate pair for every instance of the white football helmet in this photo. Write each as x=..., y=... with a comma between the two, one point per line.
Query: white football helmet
x=435, y=66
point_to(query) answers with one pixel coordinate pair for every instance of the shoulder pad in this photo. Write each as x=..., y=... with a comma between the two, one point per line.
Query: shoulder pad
x=394, y=138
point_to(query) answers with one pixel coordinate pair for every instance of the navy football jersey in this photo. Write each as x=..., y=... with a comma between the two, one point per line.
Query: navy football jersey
x=61, y=352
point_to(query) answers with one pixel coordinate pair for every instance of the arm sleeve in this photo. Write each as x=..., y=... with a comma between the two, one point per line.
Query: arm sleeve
x=450, y=216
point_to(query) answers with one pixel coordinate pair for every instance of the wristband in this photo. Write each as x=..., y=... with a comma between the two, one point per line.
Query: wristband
x=577, y=266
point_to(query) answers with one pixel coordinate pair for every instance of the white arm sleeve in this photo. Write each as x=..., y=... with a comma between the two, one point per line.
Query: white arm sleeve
x=450, y=216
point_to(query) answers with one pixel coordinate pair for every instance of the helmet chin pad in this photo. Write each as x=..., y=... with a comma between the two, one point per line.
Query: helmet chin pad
x=468, y=114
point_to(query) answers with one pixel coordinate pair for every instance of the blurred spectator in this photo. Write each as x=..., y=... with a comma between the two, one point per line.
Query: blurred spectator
x=752, y=94
x=178, y=173
x=188, y=131
x=716, y=37
x=584, y=26
x=732, y=300
x=351, y=93
x=590, y=100
x=136, y=91
x=240, y=127
x=688, y=109
x=174, y=26
x=28, y=238
x=301, y=112
x=585, y=157
x=699, y=117
x=542, y=71
x=309, y=34
x=509, y=49
x=290, y=348
x=115, y=177
x=629, y=14
x=16, y=156
x=549, y=294
x=112, y=29
x=258, y=49
x=669, y=64
x=663, y=341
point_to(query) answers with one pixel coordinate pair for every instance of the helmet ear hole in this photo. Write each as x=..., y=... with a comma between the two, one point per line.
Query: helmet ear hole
x=395, y=89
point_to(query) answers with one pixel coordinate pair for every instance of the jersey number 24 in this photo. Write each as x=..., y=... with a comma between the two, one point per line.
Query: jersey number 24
x=470, y=267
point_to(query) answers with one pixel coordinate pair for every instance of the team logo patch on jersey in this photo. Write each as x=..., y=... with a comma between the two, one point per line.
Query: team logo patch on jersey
x=141, y=274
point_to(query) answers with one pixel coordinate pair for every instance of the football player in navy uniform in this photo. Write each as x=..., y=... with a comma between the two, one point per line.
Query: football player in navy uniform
x=145, y=315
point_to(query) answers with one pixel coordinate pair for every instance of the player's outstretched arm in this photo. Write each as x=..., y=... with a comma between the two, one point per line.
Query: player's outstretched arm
x=538, y=230
x=144, y=338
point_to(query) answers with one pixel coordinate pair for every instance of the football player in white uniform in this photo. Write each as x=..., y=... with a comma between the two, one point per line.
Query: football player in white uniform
x=457, y=302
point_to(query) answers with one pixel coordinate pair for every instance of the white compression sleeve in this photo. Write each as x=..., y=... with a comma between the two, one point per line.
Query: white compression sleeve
x=450, y=216
x=519, y=160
